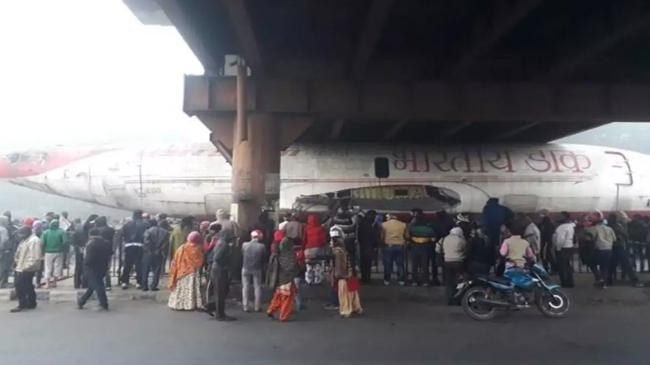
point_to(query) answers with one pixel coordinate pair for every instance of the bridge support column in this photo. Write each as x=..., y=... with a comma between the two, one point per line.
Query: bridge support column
x=256, y=168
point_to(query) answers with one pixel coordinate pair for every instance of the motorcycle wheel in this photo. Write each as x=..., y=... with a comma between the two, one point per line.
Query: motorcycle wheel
x=474, y=309
x=553, y=303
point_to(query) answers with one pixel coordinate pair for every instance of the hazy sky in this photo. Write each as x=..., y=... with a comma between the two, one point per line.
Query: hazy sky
x=87, y=71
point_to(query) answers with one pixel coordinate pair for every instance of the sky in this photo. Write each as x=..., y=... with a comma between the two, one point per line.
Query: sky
x=88, y=72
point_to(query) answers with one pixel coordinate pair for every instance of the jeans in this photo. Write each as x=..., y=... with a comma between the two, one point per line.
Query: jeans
x=451, y=272
x=394, y=254
x=564, y=266
x=620, y=256
x=152, y=263
x=602, y=263
x=25, y=289
x=297, y=298
x=79, y=280
x=95, y=284
x=256, y=279
x=421, y=256
x=132, y=257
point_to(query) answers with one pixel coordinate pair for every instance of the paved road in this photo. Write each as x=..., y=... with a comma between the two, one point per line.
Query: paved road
x=392, y=332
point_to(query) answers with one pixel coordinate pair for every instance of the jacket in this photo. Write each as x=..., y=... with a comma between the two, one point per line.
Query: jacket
x=156, y=240
x=533, y=235
x=563, y=236
x=602, y=236
x=393, y=232
x=98, y=254
x=421, y=232
x=6, y=246
x=54, y=239
x=29, y=255
x=315, y=235
x=453, y=246
x=133, y=232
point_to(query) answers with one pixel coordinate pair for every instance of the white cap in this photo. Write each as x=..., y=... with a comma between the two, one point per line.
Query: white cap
x=336, y=232
x=255, y=234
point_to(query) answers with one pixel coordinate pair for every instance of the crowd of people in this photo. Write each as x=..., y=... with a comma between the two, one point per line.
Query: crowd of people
x=337, y=251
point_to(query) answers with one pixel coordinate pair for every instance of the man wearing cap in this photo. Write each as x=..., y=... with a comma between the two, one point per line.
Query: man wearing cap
x=253, y=253
x=393, y=235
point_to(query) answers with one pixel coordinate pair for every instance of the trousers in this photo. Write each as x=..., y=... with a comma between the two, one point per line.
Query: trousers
x=421, y=256
x=151, y=263
x=221, y=279
x=25, y=289
x=95, y=284
x=132, y=259
x=254, y=278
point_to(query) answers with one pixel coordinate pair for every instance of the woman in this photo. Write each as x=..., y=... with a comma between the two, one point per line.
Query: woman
x=283, y=268
x=184, y=275
x=347, y=283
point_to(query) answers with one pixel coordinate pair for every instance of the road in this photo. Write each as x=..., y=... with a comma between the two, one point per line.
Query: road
x=391, y=332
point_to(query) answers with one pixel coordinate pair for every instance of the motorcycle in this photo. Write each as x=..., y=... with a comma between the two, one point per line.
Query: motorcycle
x=482, y=295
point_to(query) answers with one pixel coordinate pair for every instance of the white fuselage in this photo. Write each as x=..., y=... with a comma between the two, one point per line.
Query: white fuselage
x=196, y=179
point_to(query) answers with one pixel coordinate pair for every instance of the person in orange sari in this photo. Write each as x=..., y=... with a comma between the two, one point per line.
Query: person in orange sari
x=283, y=267
x=184, y=275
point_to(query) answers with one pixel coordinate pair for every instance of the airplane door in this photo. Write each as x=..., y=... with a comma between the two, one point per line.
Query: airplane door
x=620, y=172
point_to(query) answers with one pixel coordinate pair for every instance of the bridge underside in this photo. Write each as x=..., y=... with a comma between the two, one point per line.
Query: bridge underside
x=448, y=71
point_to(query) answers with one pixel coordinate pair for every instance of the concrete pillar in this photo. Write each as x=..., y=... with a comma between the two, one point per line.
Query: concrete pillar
x=256, y=165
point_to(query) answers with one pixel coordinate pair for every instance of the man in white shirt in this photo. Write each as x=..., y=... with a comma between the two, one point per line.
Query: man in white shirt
x=563, y=242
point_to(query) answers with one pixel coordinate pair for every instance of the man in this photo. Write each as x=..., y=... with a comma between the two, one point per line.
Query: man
x=563, y=240
x=156, y=243
x=618, y=222
x=108, y=233
x=293, y=229
x=227, y=224
x=253, y=253
x=638, y=231
x=421, y=236
x=133, y=239
x=54, y=245
x=64, y=222
x=28, y=262
x=533, y=235
x=6, y=252
x=78, y=239
x=221, y=267
x=494, y=216
x=603, y=238
x=394, y=237
x=366, y=244
x=96, y=257
x=452, y=248
x=347, y=221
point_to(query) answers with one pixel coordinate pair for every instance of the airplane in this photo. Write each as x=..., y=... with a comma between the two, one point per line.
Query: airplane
x=196, y=179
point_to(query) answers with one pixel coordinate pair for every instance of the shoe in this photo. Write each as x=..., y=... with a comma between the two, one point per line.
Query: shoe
x=401, y=283
x=145, y=289
x=155, y=289
x=17, y=309
x=138, y=286
x=331, y=307
x=258, y=310
x=125, y=286
x=415, y=284
x=79, y=305
x=246, y=310
x=108, y=288
x=270, y=315
x=426, y=285
x=101, y=309
x=386, y=283
x=226, y=319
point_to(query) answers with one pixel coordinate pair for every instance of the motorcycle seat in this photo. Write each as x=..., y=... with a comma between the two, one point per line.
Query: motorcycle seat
x=496, y=279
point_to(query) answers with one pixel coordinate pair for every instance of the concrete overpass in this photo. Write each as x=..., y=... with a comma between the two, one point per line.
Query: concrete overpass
x=426, y=71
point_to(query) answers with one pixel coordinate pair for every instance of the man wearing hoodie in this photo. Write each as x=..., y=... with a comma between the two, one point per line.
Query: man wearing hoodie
x=452, y=249
x=6, y=252
x=54, y=245
x=28, y=262
x=97, y=254
x=108, y=233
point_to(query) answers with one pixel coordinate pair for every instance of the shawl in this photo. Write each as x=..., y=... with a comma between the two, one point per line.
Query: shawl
x=187, y=259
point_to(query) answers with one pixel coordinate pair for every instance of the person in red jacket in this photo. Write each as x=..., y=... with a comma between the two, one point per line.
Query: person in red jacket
x=315, y=245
